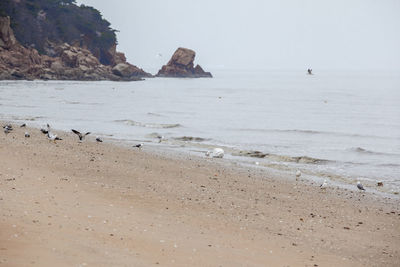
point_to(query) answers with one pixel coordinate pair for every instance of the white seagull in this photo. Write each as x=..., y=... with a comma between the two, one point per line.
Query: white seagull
x=360, y=186
x=27, y=135
x=298, y=174
x=324, y=184
x=98, y=139
x=53, y=137
x=81, y=136
x=216, y=153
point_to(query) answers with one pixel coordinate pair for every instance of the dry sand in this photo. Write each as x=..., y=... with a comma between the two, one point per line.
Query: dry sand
x=92, y=204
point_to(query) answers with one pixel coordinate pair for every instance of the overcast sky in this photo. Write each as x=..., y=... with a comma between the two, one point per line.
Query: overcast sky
x=259, y=34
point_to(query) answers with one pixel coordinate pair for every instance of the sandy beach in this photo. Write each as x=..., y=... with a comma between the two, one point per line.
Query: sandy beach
x=102, y=204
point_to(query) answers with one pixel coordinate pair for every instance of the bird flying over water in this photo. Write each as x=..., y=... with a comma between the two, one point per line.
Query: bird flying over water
x=81, y=136
x=360, y=186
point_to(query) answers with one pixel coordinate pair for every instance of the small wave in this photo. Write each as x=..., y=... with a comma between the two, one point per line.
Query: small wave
x=252, y=154
x=287, y=131
x=72, y=102
x=370, y=152
x=191, y=139
x=149, y=125
x=312, y=132
x=300, y=159
x=81, y=103
x=154, y=114
x=281, y=158
x=28, y=118
x=153, y=135
x=389, y=165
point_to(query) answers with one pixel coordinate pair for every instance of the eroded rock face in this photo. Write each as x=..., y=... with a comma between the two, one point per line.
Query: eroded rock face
x=7, y=38
x=181, y=65
x=126, y=70
x=68, y=63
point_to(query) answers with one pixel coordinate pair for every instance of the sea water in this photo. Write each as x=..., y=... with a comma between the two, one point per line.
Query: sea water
x=340, y=126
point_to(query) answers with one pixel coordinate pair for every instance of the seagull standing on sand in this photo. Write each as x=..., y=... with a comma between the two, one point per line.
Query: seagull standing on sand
x=45, y=130
x=53, y=137
x=324, y=184
x=8, y=128
x=160, y=138
x=22, y=125
x=98, y=139
x=298, y=174
x=360, y=186
x=216, y=153
x=81, y=136
x=27, y=135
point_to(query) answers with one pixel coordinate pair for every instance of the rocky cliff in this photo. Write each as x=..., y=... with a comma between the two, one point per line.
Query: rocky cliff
x=43, y=23
x=57, y=39
x=67, y=63
x=181, y=65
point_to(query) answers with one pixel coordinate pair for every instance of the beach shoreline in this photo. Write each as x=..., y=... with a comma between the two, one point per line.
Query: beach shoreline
x=102, y=204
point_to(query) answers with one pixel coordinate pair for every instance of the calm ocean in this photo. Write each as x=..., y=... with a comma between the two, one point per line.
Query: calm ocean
x=340, y=126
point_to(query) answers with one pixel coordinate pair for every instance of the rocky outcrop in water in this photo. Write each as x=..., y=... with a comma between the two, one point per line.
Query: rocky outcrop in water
x=67, y=63
x=181, y=65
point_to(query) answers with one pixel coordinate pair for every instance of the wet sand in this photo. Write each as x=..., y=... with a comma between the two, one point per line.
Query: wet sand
x=101, y=204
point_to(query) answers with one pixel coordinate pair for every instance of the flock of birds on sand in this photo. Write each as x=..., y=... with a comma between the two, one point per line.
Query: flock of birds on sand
x=46, y=130
x=215, y=153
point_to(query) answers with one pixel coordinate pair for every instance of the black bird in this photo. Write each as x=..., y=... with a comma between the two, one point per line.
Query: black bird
x=23, y=125
x=7, y=128
x=98, y=139
x=360, y=186
x=45, y=130
x=81, y=136
x=139, y=145
x=160, y=138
